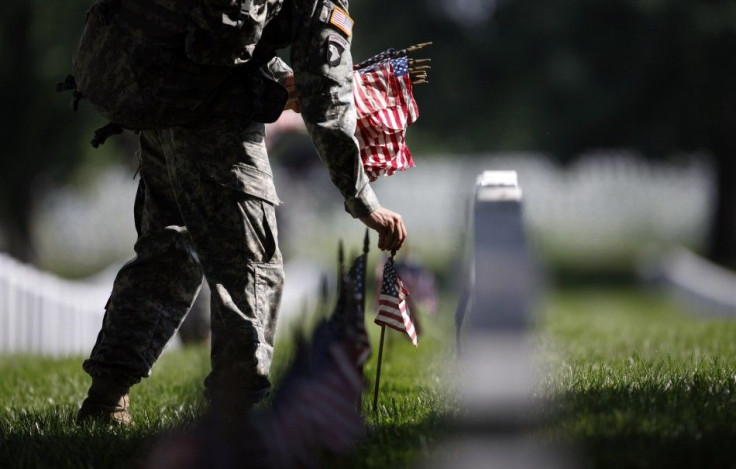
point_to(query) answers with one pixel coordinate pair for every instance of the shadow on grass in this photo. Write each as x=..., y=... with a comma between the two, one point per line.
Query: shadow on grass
x=709, y=450
x=393, y=445
x=690, y=422
x=51, y=438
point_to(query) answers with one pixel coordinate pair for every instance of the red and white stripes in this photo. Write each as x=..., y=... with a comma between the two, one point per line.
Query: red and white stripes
x=392, y=309
x=396, y=316
x=385, y=107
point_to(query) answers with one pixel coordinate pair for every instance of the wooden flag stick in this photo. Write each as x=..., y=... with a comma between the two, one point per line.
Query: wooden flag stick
x=380, y=360
x=415, y=48
x=366, y=240
x=378, y=370
x=340, y=265
x=324, y=293
x=366, y=248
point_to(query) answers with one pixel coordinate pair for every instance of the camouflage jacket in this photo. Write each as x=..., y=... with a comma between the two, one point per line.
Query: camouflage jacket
x=129, y=44
x=319, y=34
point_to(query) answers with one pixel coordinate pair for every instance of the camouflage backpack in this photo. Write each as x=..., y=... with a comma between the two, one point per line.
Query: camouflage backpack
x=147, y=64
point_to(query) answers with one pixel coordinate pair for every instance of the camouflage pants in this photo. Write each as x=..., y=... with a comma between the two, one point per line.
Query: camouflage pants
x=205, y=206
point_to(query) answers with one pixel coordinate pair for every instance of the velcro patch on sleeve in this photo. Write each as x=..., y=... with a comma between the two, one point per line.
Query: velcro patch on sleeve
x=336, y=45
x=340, y=19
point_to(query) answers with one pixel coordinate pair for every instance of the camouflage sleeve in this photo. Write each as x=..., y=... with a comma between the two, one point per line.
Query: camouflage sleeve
x=323, y=74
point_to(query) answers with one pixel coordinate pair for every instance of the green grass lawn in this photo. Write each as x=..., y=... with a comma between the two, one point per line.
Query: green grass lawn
x=39, y=398
x=630, y=381
x=634, y=381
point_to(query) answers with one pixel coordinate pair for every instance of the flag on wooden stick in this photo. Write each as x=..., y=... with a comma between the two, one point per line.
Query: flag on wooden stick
x=392, y=308
x=348, y=316
x=357, y=280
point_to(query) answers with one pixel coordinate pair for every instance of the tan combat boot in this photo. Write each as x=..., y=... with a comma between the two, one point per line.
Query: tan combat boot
x=106, y=402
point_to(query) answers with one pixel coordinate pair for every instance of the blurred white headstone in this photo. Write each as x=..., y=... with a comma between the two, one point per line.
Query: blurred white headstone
x=496, y=366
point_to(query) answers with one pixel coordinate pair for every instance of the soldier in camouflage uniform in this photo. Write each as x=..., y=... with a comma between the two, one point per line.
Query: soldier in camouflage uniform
x=205, y=203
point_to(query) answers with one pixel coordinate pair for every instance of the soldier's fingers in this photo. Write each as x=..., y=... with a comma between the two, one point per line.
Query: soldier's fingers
x=393, y=236
x=382, y=240
x=396, y=242
x=397, y=233
x=401, y=235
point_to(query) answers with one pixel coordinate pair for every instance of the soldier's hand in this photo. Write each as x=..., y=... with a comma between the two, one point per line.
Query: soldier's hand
x=292, y=104
x=390, y=228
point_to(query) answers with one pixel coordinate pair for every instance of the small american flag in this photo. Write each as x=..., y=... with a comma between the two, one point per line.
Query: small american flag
x=392, y=309
x=362, y=344
x=313, y=411
x=385, y=106
x=314, y=408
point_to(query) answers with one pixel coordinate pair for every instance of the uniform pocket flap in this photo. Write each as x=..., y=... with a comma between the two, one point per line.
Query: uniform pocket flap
x=248, y=180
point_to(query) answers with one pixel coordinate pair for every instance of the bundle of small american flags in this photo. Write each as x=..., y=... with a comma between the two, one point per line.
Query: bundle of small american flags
x=385, y=104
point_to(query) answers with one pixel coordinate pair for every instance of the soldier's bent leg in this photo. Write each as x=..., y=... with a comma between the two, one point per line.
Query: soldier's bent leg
x=226, y=196
x=153, y=292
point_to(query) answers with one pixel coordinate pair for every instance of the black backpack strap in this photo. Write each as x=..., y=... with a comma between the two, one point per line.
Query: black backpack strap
x=103, y=133
x=70, y=84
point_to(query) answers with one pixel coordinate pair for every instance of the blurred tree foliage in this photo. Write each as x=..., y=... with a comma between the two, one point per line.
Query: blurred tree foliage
x=569, y=76
x=42, y=139
x=559, y=77
x=566, y=76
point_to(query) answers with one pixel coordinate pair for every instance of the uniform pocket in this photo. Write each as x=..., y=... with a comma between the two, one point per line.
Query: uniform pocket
x=246, y=179
x=269, y=282
x=253, y=191
x=259, y=229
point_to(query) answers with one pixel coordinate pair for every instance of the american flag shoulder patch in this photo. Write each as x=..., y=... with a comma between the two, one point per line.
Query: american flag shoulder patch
x=340, y=19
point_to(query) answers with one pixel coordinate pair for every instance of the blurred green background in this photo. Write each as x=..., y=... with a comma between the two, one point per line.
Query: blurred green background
x=618, y=116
